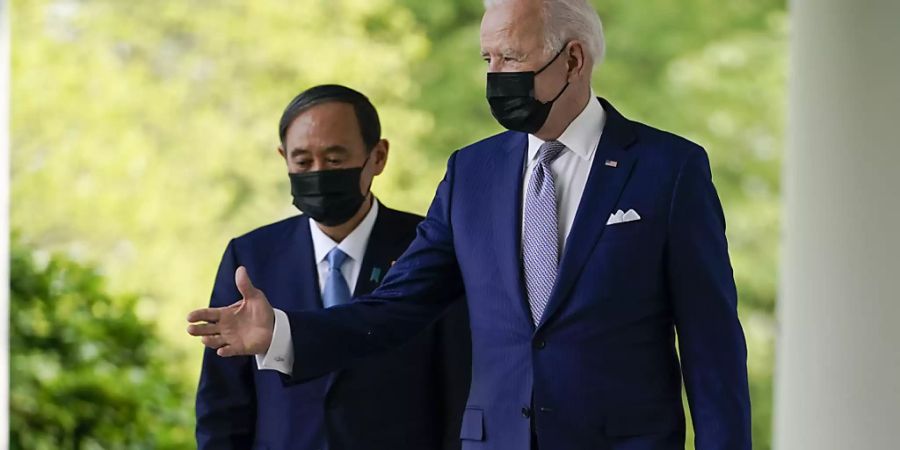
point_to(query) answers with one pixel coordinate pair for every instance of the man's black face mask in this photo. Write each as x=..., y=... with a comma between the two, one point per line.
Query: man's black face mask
x=511, y=96
x=330, y=197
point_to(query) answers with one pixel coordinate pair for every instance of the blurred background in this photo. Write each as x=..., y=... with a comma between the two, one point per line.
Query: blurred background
x=143, y=137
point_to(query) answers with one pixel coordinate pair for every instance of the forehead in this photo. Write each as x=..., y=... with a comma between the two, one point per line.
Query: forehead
x=324, y=125
x=513, y=25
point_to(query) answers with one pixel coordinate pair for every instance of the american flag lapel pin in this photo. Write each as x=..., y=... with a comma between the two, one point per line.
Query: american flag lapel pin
x=612, y=163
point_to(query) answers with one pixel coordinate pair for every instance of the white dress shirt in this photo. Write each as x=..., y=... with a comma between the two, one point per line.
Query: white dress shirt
x=572, y=167
x=354, y=246
x=280, y=356
x=570, y=171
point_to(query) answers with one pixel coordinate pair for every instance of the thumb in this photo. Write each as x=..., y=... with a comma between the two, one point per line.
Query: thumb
x=243, y=283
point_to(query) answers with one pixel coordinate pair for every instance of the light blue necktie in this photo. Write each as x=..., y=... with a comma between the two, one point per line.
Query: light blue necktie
x=336, y=290
x=540, y=236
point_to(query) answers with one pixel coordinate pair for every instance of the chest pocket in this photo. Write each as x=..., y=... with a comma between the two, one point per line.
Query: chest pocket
x=646, y=226
x=472, y=425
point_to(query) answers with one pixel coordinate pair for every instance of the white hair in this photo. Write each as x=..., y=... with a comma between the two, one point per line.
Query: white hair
x=566, y=20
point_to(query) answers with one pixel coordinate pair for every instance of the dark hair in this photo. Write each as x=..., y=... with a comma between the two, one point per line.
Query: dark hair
x=366, y=115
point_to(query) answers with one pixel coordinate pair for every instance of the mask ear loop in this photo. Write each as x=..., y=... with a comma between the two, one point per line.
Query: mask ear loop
x=560, y=93
x=563, y=90
x=553, y=60
x=363, y=168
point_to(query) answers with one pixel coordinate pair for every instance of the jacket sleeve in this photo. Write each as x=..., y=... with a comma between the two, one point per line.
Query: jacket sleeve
x=423, y=282
x=226, y=397
x=711, y=342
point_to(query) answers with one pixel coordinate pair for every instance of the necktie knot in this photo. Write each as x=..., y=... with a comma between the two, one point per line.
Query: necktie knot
x=549, y=151
x=336, y=259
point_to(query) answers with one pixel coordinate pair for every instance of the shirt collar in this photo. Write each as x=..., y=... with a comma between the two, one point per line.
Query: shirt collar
x=581, y=136
x=354, y=245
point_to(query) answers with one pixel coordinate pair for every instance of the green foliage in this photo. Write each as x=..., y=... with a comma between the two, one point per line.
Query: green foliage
x=144, y=133
x=86, y=371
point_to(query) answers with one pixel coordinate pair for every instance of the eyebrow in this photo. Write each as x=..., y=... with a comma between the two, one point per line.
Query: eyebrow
x=512, y=53
x=339, y=149
x=507, y=52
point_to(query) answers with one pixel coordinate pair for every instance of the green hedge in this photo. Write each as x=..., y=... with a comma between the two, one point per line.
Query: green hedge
x=86, y=371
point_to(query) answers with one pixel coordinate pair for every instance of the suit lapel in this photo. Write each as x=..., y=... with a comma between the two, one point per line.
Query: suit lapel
x=376, y=261
x=297, y=267
x=601, y=193
x=509, y=165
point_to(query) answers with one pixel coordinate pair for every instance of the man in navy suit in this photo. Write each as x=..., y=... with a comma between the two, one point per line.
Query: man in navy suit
x=584, y=241
x=411, y=398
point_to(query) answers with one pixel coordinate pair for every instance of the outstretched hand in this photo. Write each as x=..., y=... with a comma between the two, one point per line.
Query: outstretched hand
x=243, y=328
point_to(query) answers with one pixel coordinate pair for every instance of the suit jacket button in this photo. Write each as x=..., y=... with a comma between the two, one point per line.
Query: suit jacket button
x=540, y=344
x=526, y=412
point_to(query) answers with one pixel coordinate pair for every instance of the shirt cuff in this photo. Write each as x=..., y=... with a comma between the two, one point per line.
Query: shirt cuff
x=280, y=355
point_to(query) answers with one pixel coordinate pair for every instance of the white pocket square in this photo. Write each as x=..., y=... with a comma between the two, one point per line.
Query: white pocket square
x=623, y=217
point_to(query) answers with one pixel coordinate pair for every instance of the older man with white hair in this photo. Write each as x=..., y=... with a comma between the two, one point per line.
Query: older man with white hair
x=584, y=242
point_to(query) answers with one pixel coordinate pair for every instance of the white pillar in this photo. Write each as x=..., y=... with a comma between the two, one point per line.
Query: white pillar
x=4, y=224
x=838, y=365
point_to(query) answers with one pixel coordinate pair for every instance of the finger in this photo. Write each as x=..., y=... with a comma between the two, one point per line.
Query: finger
x=205, y=315
x=214, y=341
x=243, y=283
x=203, y=329
x=227, y=351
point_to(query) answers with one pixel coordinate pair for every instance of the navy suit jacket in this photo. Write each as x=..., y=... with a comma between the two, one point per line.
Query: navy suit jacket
x=411, y=398
x=600, y=371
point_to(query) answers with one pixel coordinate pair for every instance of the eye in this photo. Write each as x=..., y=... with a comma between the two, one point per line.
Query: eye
x=333, y=161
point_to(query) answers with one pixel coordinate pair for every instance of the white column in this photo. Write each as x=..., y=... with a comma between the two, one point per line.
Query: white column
x=4, y=224
x=838, y=365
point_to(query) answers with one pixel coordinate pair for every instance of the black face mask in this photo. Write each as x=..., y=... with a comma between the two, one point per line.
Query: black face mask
x=511, y=96
x=330, y=197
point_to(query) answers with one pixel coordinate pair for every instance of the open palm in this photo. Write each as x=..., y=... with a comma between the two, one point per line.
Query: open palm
x=242, y=328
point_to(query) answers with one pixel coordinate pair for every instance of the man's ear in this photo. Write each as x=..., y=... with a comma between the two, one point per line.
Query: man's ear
x=284, y=157
x=576, y=59
x=379, y=156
